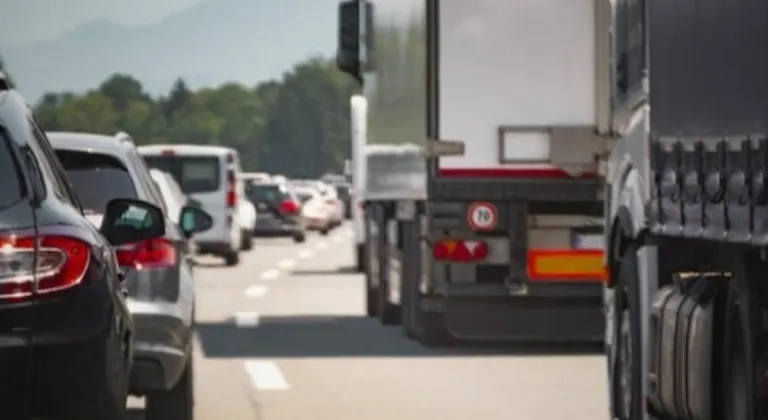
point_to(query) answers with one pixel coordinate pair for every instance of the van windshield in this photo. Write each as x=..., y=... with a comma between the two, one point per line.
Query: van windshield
x=194, y=174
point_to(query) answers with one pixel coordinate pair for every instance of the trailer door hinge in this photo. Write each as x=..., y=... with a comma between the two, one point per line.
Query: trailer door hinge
x=438, y=148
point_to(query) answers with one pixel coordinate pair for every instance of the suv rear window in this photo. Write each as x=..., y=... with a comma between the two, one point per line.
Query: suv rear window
x=261, y=193
x=193, y=174
x=10, y=187
x=97, y=179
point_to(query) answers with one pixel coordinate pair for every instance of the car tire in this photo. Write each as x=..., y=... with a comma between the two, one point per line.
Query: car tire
x=232, y=258
x=299, y=237
x=246, y=239
x=175, y=404
x=324, y=231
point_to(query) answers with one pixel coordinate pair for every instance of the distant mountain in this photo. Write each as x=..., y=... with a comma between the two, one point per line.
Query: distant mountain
x=215, y=41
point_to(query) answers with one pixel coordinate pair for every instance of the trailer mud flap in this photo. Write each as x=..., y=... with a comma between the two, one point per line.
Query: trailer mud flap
x=682, y=327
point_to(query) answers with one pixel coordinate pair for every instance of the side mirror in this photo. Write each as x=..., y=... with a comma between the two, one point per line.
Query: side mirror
x=348, y=58
x=194, y=220
x=127, y=221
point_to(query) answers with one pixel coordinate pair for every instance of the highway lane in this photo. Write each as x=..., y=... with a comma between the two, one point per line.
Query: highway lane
x=283, y=337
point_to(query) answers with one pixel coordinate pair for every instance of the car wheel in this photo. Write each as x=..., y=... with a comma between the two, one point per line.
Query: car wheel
x=299, y=237
x=324, y=231
x=174, y=404
x=232, y=259
x=246, y=239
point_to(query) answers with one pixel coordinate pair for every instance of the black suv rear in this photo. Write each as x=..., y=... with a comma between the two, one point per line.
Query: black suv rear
x=66, y=336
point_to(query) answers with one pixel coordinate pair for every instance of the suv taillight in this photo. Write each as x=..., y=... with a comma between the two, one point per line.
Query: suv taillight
x=151, y=253
x=289, y=207
x=231, y=190
x=61, y=264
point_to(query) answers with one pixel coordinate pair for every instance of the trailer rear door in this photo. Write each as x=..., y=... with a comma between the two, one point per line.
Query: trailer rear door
x=507, y=74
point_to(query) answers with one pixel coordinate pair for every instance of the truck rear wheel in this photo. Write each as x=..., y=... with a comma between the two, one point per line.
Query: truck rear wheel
x=738, y=363
x=626, y=374
x=431, y=330
x=389, y=313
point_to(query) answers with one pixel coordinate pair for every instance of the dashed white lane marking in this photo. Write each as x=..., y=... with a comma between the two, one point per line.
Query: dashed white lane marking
x=270, y=274
x=246, y=319
x=321, y=245
x=256, y=291
x=306, y=254
x=265, y=375
x=286, y=264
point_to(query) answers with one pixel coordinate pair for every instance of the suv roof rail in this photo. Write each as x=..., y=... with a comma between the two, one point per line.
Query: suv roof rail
x=4, y=83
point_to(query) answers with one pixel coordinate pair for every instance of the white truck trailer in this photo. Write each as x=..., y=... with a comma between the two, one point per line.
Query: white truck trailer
x=503, y=102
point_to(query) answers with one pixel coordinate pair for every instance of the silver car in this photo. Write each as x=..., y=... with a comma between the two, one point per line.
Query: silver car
x=158, y=272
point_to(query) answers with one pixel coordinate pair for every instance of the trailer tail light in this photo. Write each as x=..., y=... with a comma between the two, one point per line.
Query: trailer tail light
x=454, y=250
x=567, y=265
x=60, y=264
x=153, y=253
x=289, y=207
x=231, y=189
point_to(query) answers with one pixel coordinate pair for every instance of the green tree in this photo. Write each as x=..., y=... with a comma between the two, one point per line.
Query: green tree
x=298, y=126
x=92, y=113
x=122, y=90
x=178, y=99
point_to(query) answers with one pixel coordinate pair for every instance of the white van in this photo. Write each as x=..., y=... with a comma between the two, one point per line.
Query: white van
x=208, y=175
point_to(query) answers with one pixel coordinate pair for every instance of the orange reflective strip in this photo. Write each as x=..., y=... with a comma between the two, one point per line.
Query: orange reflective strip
x=568, y=265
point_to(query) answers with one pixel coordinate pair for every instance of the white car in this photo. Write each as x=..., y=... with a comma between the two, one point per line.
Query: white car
x=334, y=203
x=334, y=206
x=210, y=175
x=314, y=210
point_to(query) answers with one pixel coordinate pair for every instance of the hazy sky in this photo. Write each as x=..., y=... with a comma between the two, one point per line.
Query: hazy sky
x=29, y=20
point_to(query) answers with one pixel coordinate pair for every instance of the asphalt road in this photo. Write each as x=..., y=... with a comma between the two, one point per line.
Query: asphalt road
x=283, y=336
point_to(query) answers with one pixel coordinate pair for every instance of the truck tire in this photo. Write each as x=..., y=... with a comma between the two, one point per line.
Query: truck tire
x=431, y=330
x=626, y=375
x=174, y=404
x=389, y=313
x=738, y=361
x=371, y=303
x=360, y=258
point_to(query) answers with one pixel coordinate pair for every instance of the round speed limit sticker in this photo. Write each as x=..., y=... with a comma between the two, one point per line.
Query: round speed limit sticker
x=482, y=215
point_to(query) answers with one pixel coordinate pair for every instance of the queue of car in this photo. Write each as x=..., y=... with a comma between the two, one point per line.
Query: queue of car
x=293, y=207
x=97, y=296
